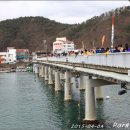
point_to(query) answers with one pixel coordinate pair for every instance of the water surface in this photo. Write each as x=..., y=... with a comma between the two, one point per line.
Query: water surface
x=27, y=102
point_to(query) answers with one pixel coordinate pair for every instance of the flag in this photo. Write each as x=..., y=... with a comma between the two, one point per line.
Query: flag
x=103, y=39
x=112, y=33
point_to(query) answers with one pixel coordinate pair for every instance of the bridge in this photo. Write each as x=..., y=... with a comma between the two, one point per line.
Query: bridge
x=94, y=71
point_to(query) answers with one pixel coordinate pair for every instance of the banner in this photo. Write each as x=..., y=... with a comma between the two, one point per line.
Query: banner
x=112, y=33
x=103, y=39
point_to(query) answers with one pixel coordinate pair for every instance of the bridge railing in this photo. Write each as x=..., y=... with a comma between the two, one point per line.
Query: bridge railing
x=121, y=60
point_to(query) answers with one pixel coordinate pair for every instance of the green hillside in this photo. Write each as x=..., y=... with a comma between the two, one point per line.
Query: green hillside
x=29, y=32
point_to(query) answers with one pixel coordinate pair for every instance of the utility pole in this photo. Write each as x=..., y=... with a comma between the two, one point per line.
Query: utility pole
x=44, y=42
x=45, y=48
x=93, y=44
x=83, y=47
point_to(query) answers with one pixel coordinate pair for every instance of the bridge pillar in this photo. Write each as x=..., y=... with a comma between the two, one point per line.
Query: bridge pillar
x=33, y=68
x=53, y=71
x=46, y=73
x=57, y=81
x=42, y=71
x=81, y=85
x=62, y=79
x=50, y=79
x=90, y=109
x=99, y=93
x=67, y=86
x=62, y=76
x=53, y=75
x=36, y=69
x=99, y=83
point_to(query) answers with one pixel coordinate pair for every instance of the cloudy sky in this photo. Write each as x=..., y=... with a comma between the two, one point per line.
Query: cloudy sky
x=61, y=11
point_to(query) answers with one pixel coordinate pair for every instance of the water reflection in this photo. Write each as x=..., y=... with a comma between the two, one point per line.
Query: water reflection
x=100, y=109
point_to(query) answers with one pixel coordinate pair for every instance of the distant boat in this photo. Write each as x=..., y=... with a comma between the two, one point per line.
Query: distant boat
x=107, y=97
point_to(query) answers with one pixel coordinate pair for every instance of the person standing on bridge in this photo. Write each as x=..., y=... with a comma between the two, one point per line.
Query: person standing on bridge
x=107, y=50
x=86, y=52
x=116, y=49
x=120, y=48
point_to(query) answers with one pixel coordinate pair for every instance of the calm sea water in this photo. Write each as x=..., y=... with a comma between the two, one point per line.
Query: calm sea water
x=28, y=103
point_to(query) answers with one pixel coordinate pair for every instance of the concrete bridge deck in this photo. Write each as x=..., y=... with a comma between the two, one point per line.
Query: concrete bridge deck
x=114, y=67
x=115, y=77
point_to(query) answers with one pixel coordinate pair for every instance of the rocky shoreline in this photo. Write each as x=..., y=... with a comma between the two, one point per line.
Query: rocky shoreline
x=13, y=67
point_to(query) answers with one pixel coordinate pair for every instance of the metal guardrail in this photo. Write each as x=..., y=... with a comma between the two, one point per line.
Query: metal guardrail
x=118, y=60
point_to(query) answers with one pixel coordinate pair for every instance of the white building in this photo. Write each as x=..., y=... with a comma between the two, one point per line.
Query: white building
x=11, y=52
x=62, y=45
x=9, y=56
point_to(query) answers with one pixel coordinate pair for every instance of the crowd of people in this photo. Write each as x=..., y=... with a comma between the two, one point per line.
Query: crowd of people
x=107, y=50
x=119, y=48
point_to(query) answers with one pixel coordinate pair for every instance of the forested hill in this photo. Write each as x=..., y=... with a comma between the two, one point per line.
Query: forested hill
x=91, y=31
x=29, y=32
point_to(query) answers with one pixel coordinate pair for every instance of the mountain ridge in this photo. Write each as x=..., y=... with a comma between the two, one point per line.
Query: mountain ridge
x=29, y=32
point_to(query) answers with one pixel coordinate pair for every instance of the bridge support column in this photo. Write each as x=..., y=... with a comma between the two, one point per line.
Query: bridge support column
x=81, y=85
x=99, y=93
x=90, y=109
x=53, y=75
x=67, y=86
x=53, y=71
x=42, y=71
x=99, y=88
x=62, y=76
x=50, y=79
x=33, y=68
x=36, y=68
x=46, y=73
x=57, y=81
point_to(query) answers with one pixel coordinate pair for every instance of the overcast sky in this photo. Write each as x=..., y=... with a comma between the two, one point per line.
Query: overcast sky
x=61, y=11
